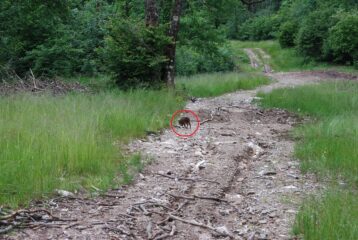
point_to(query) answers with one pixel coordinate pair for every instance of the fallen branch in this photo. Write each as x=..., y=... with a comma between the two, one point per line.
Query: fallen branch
x=72, y=225
x=33, y=79
x=113, y=195
x=156, y=234
x=193, y=197
x=161, y=205
x=149, y=230
x=144, y=210
x=187, y=179
x=163, y=221
x=181, y=205
x=198, y=224
x=126, y=215
x=122, y=231
x=208, y=120
x=210, y=198
x=109, y=204
x=183, y=197
x=6, y=229
x=172, y=232
x=29, y=212
x=259, y=113
x=154, y=203
x=42, y=224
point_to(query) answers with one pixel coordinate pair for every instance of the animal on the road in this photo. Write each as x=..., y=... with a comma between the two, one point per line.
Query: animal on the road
x=184, y=122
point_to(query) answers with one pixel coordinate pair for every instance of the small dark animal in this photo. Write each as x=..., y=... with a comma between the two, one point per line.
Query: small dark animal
x=193, y=99
x=184, y=122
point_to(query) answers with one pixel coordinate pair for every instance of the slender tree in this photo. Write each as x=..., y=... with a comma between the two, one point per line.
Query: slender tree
x=252, y=3
x=151, y=13
x=169, y=70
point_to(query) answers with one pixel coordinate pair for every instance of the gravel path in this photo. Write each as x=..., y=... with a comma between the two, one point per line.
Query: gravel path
x=235, y=179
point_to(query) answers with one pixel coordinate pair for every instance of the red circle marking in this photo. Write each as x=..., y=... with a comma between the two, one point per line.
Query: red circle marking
x=187, y=111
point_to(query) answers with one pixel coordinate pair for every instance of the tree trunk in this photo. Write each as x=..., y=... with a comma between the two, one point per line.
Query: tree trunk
x=151, y=13
x=127, y=9
x=251, y=4
x=169, y=71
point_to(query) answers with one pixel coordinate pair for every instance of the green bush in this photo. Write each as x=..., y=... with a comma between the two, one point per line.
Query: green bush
x=134, y=53
x=287, y=34
x=23, y=26
x=191, y=61
x=313, y=33
x=187, y=61
x=57, y=56
x=343, y=39
x=259, y=28
x=53, y=39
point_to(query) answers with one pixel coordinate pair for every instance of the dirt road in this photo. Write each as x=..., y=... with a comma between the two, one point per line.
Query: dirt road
x=235, y=179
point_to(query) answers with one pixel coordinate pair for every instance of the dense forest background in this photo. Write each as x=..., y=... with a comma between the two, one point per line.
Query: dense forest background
x=96, y=37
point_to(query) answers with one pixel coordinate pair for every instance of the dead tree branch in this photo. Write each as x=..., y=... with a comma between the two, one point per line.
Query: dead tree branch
x=172, y=232
x=187, y=179
x=198, y=224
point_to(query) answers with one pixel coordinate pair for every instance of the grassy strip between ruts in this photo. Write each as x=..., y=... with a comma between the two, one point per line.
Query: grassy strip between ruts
x=328, y=147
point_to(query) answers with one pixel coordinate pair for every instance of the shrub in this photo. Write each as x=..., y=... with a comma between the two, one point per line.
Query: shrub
x=52, y=39
x=287, y=34
x=24, y=25
x=313, y=33
x=191, y=61
x=134, y=53
x=57, y=56
x=259, y=28
x=343, y=39
x=187, y=61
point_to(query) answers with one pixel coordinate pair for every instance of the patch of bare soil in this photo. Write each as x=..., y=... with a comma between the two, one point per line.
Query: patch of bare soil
x=330, y=74
x=235, y=179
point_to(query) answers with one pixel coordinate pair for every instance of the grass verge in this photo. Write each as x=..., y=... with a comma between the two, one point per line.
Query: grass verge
x=68, y=142
x=328, y=147
x=332, y=217
x=210, y=85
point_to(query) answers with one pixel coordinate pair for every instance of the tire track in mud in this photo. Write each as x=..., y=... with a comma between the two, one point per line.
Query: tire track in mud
x=235, y=179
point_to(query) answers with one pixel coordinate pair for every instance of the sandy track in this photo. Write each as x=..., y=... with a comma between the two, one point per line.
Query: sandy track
x=236, y=179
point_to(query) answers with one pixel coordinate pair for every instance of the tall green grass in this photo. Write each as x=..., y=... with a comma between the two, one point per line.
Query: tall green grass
x=334, y=216
x=331, y=145
x=209, y=85
x=320, y=100
x=68, y=142
x=328, y=147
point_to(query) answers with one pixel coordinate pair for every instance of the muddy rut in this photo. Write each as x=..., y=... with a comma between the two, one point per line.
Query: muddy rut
x=235, y=179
